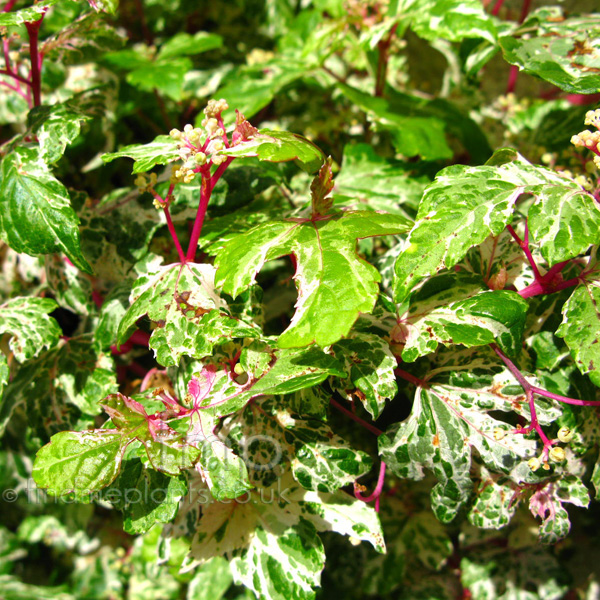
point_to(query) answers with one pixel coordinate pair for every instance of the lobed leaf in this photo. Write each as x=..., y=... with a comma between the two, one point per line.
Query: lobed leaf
x=564, y=52
x=462, y=207
x=161, y=151
x=370, y=366
x=334, y=284
x=36, y=216
x=279, y=146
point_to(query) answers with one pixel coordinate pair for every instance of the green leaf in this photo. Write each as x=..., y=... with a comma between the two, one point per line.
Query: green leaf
x=85, y=40
x=190, y=316
x=58, y=125
x=158, y=152
x=35, y=210
x=580, y=326
x=223, y=471
x=422, y=136
x=494, y=505
x=250, y=88
x=144, y=496
x=165, y=76
x=419, y=126
x=565, y=222
x=184, y=44
x=211, y=580
x=4, y=372
x=83, y=462
x=87, y=461
x=279, y=146
x=452, y=20
x=27, y=321
x=455, y=309
x=334, y=284
x=564, y=52
x=382, y=184
x=449, y=419
x=26, y=15
x=461, y=208
x=370, y=365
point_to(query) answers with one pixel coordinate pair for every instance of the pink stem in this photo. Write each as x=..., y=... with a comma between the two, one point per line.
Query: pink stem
x=174, y=234
x=565, y=399
x=540, y=287
x=524, y=245
x=513, y=74
x=408, y=377
x=14, y=88
x=8, y=6
x=208, y=184
x=33, y=29
x=15, y=76
x=530, y=390
x=205, y=192
x=557, y=268
x=354, y=417
x=514, y=69
x=497, y=7
x=378, y=488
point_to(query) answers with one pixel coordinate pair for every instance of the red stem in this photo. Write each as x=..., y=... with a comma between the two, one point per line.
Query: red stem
x=208, y=184
x=383, y=47
x=530, y=390
x=524, y=245
x=378, y=488
x=418, y=382
x=33, y=30
x=8, y=6
x=513, y=74
x=497, y=7
x=205, y=192
x=15, y=76
x=514, y=69
x=355, y=418
x=174, y=234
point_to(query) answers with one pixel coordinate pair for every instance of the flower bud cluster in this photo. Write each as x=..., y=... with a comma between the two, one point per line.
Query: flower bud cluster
x=592, y=117
x=145, y=185
x=199, y=145
x=590, y=139
x=215, y=107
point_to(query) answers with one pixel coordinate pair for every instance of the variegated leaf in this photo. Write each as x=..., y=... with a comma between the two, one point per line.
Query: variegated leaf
x=462, y=207
x=370, y=365
x=334, y=284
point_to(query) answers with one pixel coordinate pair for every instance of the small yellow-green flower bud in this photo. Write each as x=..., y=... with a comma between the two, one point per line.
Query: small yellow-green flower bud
x=557, y=454
x=238, y=369
x=175, y=134
x=499, y=434
x=565, y=434
x=534, y=463
x=188, y=128
x=200, y=158
x=140, y=181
